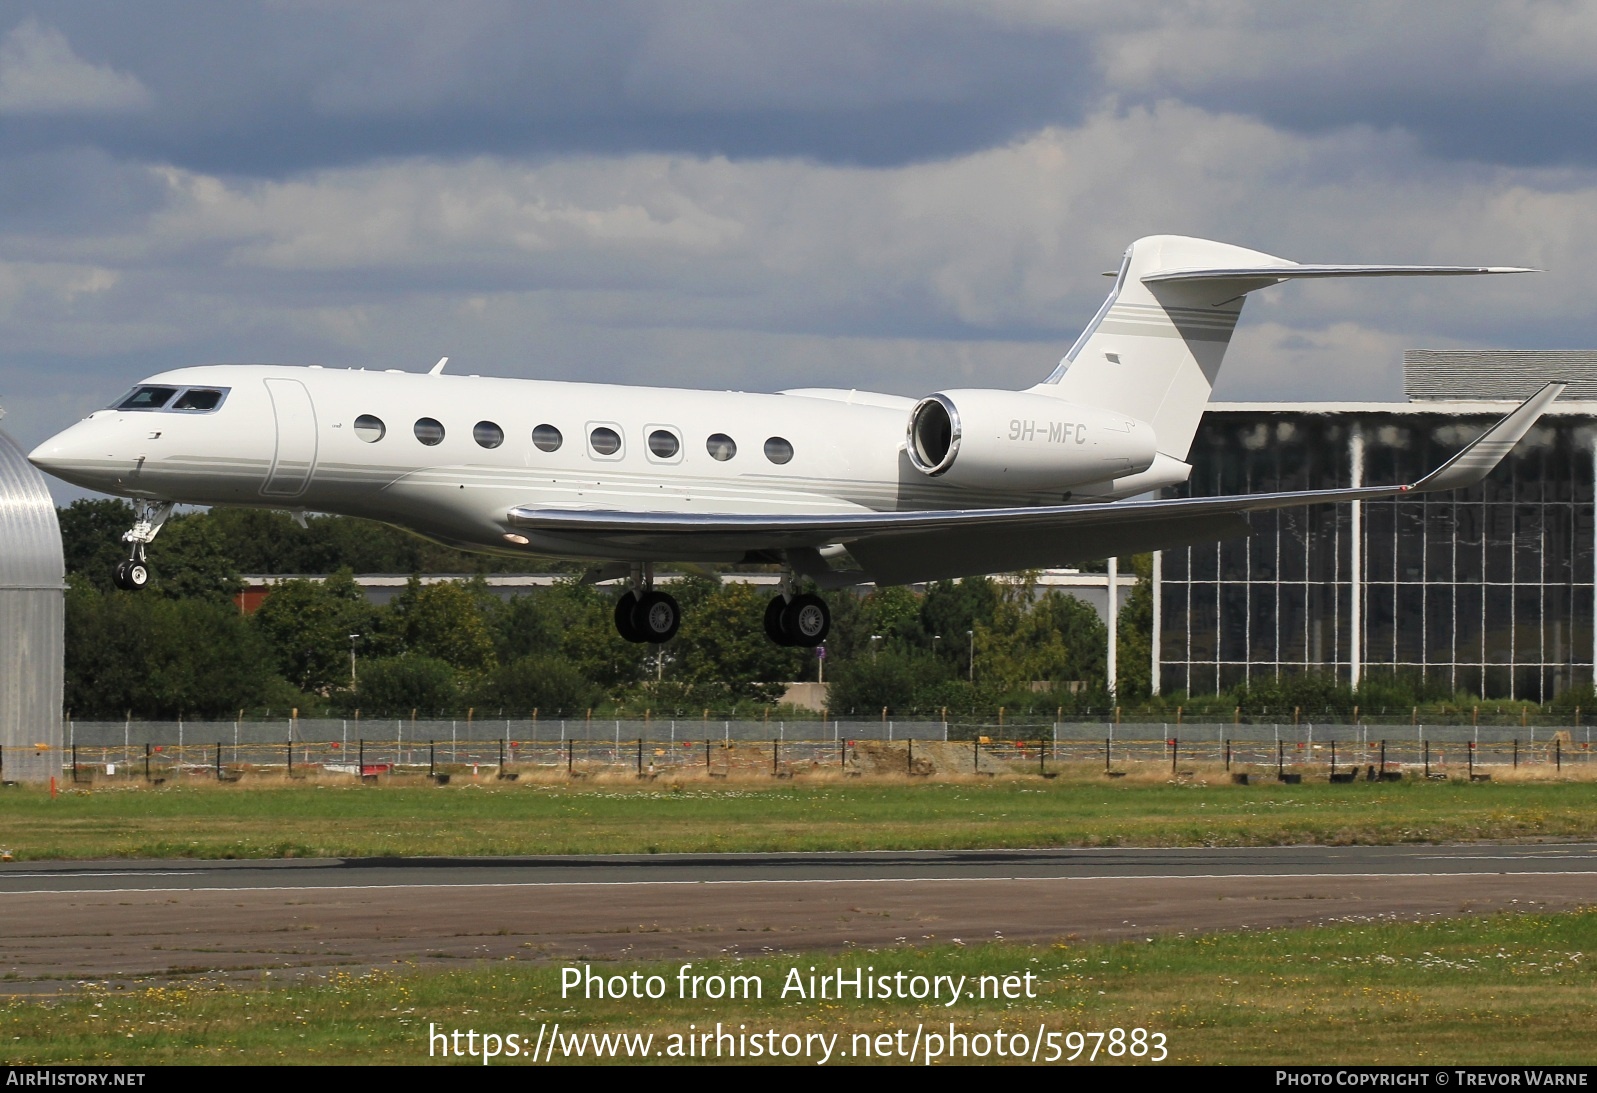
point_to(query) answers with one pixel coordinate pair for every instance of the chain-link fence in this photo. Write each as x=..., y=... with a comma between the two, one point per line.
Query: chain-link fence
x=588, y=746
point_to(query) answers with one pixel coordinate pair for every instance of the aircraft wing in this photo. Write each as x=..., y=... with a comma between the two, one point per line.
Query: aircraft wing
x=905, y=547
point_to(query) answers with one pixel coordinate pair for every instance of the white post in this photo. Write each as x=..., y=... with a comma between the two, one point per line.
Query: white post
x=1356, y=627
x=1114, y=622
x=1158, y=598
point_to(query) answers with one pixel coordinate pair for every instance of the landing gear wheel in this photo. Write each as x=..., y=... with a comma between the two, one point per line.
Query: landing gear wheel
x=131, y=575
x=623, y=618
x=773, y=620
x=656, y=618
x=806, y=620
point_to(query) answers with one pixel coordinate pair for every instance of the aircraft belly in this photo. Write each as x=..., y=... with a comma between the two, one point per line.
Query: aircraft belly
x=469, y=507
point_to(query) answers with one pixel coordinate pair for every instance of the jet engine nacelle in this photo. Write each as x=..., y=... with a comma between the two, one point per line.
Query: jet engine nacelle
x=1013, y=440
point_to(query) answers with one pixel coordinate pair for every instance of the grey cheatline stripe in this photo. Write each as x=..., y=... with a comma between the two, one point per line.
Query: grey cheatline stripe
x=1196, y=314
x=793, y=881
x=1166, y=330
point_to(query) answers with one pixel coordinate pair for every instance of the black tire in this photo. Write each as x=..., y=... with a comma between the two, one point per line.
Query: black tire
x=773, y=620
x=130, y=575
x=806, y=620
x=656, y=618
x=623, y=617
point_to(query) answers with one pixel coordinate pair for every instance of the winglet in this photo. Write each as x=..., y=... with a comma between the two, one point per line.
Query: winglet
x=1483, y=453
x=438, y=368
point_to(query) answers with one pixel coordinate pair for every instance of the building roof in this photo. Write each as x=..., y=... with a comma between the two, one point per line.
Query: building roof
x=1454, y=407
x=1510, y=374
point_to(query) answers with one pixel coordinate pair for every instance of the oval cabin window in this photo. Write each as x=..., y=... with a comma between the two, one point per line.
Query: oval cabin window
x=778, y=450
x=370, y=429
x=547, y=438
x=663, y=444
x=429, y=431
x=605, y=441
x=721, y=447
x=487, y=434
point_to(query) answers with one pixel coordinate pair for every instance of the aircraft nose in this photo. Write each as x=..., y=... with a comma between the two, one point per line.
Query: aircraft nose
x=73, y=455
x=47, y=456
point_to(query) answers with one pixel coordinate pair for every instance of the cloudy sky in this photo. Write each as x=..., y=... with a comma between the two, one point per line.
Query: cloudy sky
x=901, y=196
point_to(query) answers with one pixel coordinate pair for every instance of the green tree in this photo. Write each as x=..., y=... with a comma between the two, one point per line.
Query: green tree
x=905, y=681
x=1134, y=640
x=551, y=685
x=446, y=621
x=1032, y=638
x=526, y=625
x=722, y=644
x=950, y=611
x=584, y=617
x=393, y=686
x=191, y=561
x=162, y=658
x=91, y=538
x=308, y=626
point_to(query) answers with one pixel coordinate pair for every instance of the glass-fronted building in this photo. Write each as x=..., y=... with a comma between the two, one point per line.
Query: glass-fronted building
x=1488, y=591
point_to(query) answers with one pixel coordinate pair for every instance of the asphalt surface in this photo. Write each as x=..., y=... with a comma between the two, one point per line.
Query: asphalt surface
x=1267, y=861
x=124, y=922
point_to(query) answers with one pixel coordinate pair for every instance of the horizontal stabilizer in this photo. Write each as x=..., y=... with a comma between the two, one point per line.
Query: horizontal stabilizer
x=1296, y=271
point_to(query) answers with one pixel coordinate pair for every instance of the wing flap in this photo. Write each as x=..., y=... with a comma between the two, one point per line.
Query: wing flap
x=935, y=556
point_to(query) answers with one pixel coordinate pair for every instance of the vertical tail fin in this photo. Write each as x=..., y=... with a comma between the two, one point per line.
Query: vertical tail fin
x=1154, y=352
x=1155, y=347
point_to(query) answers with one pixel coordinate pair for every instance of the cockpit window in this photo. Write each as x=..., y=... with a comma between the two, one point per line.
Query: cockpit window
x=199, y=399
x=190, y=400
x=147, y=398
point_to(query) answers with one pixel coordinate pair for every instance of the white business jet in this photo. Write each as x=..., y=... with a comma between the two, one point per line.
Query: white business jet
x=840, y=487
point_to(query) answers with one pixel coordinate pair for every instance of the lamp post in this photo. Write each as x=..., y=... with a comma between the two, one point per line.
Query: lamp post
x=874, y=639
x=353, y=638
x=971, y=634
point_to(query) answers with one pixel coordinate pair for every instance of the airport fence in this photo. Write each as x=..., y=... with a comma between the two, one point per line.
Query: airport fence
x=368, y=747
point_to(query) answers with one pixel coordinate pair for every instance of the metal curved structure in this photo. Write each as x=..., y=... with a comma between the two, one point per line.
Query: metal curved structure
x=32, y=621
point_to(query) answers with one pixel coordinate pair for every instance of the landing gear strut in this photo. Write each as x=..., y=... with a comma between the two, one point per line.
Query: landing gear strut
x=644, y=614
x=801, y=620
x=149, y=516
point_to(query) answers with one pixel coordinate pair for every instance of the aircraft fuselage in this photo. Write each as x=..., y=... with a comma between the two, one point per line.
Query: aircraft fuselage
x=449, y=455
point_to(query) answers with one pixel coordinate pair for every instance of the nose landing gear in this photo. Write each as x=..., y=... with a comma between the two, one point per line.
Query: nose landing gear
x=149, y=516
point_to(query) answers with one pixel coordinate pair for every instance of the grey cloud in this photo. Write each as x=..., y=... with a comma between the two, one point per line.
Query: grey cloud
x=39, y=74
x=273, y=90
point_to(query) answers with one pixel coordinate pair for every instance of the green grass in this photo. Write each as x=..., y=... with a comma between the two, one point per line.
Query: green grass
x=1502, y=989
x=201, y=819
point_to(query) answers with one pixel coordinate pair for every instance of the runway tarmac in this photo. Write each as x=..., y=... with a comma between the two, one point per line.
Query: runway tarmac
x=125, y=921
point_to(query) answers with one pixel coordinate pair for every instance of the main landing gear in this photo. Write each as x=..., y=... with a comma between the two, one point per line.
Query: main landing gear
x=797, y=619
x=644, y=614
x=149, y=516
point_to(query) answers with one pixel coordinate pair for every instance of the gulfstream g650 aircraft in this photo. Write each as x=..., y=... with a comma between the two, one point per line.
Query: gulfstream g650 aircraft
x=841, y=487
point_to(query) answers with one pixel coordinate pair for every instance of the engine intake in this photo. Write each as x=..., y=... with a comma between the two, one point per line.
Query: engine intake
x=1012, y=440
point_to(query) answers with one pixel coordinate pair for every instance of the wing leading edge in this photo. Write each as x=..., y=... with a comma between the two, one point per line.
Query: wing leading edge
x=906, y=547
